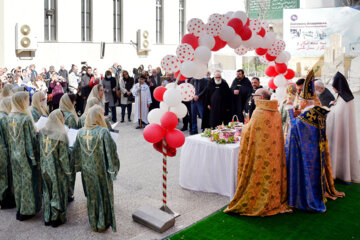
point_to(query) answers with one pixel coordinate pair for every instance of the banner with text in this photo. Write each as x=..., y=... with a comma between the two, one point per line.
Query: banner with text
x=307, y=31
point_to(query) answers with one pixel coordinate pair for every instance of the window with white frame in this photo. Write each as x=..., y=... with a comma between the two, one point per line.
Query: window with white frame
x=159, y=21
x=50, y=33
x=181, y=19
x=86, y=20
x=117, y=15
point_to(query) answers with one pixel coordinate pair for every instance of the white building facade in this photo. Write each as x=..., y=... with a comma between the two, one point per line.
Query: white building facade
x=71, y=31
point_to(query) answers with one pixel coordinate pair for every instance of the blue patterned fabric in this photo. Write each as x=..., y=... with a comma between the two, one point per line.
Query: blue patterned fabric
x=305, y=159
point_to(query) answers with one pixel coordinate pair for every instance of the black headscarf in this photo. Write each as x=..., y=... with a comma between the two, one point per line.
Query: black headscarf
x=340, y=83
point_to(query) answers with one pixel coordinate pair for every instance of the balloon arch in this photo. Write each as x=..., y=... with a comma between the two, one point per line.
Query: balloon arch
x=237, y=31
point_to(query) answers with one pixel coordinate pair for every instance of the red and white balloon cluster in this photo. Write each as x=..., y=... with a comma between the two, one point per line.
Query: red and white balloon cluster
x=237, y=31
x=163, y=120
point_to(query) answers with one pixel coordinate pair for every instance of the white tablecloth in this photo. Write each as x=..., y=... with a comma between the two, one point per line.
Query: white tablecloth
x=209, y=167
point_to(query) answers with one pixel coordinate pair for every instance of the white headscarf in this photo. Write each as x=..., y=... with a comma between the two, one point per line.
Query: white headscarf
x=95, y=94
x=5, y=105
x=20, y=104
x=67, y=106
x=90, y=103
x=54, y=127
x=7, y=90
x=37, y=104
x=95, y=118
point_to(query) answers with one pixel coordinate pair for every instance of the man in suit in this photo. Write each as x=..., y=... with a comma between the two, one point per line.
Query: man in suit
x=197, y=104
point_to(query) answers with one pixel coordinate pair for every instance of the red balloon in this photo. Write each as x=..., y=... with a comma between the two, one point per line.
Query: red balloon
x=159, y=93
x=290, y=74
x=182, y=78
x=270, y=71
x=261, y=51
x=171, y=152
x=153, y=133
x=191, y=39
x=219, y=44
x=270, y=58
x=271, y=84
x=175, y=138
x=281, y=67
x=236, y=24
x=169, y=120
x=262, y=32
x=245, y=34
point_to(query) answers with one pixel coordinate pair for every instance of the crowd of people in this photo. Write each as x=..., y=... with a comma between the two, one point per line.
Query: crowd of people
x=38, y=168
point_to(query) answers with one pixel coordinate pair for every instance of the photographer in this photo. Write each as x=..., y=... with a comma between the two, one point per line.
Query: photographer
x=57, y=85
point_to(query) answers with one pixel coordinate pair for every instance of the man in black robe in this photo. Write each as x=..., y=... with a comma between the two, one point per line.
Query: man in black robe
x=218, y=103
x=323, y=93
x=241, y=90
x=250, y=103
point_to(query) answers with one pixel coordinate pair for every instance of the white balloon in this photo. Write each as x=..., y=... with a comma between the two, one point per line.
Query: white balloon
x=164, y=106
x=280, y=81
x=155, y=115
x=282, y=58
x=202, y=54
x=207, y=40
x=269, y=38
x=172, y=97
x=228, y=16
x=201, y=71
x=235, y=42
x=240, y=15
x=254, y=42
x=170, y=85
x=227, y=33
x=281, y=93
x=188, y=69
x=180, y=110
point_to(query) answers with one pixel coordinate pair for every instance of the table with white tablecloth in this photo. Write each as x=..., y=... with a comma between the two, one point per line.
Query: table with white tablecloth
x=209, y=167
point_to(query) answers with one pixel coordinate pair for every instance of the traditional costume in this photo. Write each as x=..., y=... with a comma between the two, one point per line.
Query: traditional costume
x=308, y=165
x=55, y=168
x=96, y=156
x=72, y=121
x=95, y=94
x=145, y=100
x=38, y=106
x=261, y=178
x=23, y=157
x=7, y=199
x=341, y=132
x=90, y=103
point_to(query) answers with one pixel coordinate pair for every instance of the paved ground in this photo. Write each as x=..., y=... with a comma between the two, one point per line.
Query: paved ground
x=138, y=184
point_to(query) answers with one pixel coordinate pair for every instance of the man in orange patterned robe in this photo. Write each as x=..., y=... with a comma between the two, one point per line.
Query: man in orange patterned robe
x=261, y=178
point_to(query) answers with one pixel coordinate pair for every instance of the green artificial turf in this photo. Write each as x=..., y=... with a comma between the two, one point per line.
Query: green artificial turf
x=340, y=221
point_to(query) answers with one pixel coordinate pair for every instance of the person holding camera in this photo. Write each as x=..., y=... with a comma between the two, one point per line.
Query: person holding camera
x=125, y=95
x=57, y=85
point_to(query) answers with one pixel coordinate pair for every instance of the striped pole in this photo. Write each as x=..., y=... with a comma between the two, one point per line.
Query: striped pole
x=164, y=144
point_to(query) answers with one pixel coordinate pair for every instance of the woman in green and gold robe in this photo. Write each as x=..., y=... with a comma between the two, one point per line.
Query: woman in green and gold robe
x=67, y=103
x=55, y=168
x=38, y=106
x=7, y=199
x=90, y=103
x=96, y=156
x=23, y=157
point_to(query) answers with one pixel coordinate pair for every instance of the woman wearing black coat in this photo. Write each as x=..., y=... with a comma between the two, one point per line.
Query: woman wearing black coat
x=109, y=84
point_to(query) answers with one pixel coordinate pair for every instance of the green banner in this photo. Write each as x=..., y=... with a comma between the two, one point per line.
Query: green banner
x=269, y=9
